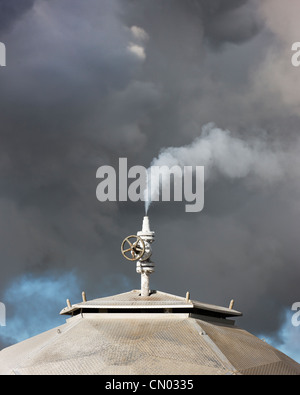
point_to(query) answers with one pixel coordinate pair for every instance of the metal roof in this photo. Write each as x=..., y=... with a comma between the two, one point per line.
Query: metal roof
x=119, y=335
x=156, y=300
x=154, y=334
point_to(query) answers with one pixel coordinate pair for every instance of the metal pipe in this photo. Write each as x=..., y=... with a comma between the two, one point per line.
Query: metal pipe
x=144, y=265
x=145, y=291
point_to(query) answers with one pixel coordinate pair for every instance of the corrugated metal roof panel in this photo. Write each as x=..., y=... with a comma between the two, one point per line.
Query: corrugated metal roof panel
x=164, y=345
x=142, y=344
x=247, y=353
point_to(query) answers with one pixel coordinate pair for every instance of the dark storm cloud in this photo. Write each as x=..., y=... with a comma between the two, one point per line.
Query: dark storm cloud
x=11, y=10
x=89, y=82
x=52, y=95
x=231, y=21
x=235, y=22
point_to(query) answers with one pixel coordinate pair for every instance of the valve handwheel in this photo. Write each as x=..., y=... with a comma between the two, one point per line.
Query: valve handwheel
x=136, y=247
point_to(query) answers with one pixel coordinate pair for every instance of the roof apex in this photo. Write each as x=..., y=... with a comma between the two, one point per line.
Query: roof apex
x=133, y=300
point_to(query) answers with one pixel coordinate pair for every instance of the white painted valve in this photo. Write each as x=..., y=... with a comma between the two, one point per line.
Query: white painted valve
x=138, y=248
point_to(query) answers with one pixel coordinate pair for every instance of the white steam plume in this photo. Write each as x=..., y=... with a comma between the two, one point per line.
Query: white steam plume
x=222, y=155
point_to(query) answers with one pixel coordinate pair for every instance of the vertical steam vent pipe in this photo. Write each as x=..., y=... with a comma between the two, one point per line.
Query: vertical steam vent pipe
x=144, y=265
